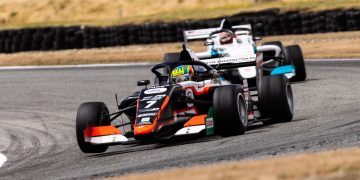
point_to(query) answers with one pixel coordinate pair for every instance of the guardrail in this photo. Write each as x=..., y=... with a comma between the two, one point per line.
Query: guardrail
x=78, y=37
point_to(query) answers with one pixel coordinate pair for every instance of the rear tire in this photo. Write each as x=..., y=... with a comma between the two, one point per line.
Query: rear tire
x=230, y=111
x=276, y=99
x=295, y=55
x=90, y=114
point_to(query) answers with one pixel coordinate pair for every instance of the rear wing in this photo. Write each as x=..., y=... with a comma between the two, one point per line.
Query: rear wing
x=204, y=33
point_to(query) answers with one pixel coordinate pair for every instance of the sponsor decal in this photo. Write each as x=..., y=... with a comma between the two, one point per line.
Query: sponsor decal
x=190, y=32
x=147, y=114
x=229, y=60
x=144, y=121
x=154, y=87
x=155, y=91
x=149, y=110
x=210, y=122
x=189, y=93
x=153, y=98
x=246, y=91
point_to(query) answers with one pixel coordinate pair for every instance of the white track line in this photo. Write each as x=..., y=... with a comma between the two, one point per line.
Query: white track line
x=72, y=66
x=3, y=159
x=331, y=60
x=130, y=64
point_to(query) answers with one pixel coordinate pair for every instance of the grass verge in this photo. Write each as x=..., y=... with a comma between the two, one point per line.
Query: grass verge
x=328, y=45
x=330, y=165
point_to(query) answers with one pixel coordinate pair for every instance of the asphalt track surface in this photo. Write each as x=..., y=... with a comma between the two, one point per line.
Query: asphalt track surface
x=38, y=109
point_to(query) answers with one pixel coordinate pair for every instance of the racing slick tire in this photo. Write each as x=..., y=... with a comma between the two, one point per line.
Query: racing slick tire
x=276, y=99
x=230, y=111
x=171, y=57
x=295, y=55
x=90, y=114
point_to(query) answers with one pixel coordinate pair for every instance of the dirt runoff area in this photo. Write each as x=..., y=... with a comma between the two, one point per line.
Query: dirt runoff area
x=326, y=45
x=341, y=164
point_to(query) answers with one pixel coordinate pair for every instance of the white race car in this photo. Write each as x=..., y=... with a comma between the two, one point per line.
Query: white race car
x=235, y=45
x=264, y=71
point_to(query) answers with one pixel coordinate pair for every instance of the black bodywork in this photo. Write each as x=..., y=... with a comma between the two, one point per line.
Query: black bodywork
x=156, y=104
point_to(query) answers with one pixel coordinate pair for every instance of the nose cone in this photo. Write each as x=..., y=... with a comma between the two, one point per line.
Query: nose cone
x=144, y=129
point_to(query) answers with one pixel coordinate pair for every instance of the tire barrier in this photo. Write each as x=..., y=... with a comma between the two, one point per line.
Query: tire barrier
x=265, y=23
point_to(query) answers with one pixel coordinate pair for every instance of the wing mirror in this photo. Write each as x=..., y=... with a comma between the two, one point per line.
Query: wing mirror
x=143, y=83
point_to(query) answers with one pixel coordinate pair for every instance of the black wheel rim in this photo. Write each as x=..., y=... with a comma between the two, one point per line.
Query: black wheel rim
x=241, y=109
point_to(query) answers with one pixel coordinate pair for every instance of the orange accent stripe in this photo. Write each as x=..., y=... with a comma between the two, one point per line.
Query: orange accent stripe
x=146, y=129
x=101, y=131
x=87, y=132
x=196, y=120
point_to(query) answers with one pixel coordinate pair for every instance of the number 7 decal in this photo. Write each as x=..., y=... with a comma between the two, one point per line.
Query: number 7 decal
x=150, y=103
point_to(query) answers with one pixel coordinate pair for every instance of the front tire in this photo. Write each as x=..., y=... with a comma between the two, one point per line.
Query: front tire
x=295, y=55
x=276, y=99
x=230, y=111
x=89, y=115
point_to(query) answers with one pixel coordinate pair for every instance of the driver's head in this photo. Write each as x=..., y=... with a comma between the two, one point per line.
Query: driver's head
x=226, y=38
x=182, y=73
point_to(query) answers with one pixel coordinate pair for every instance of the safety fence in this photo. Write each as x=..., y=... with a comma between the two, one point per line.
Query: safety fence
x=265, y=23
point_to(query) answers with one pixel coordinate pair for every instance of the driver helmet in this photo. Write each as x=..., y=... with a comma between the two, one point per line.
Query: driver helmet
x=226, y=38
x=182, y=73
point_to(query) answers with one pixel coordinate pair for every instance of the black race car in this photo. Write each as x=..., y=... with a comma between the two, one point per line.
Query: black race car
x=188, y=97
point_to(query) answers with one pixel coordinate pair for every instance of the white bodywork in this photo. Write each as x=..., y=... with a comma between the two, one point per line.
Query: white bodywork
x=107, y=139
x=190, y=130
x=242, y=50
x=248, y=72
